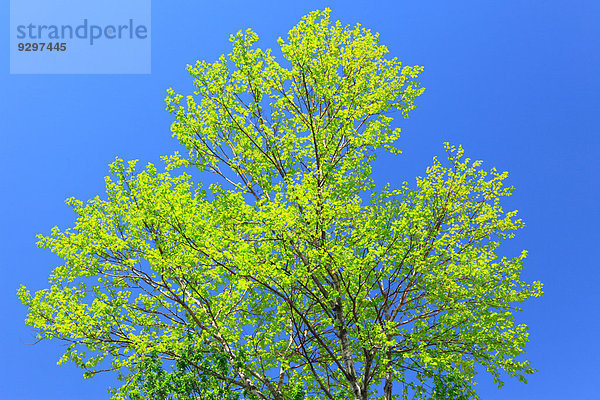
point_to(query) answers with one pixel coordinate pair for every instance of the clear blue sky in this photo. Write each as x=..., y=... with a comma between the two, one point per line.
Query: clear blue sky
x=515, y=82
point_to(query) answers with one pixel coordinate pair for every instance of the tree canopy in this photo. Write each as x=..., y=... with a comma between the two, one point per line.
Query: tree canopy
x=290, y=277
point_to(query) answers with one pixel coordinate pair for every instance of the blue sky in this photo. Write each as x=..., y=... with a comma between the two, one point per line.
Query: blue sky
x=515, y=83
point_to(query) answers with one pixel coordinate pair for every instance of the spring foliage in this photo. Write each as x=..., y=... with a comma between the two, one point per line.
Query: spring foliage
x=291, y=278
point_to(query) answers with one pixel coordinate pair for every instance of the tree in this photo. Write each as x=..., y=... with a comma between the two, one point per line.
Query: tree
x=290, y=277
